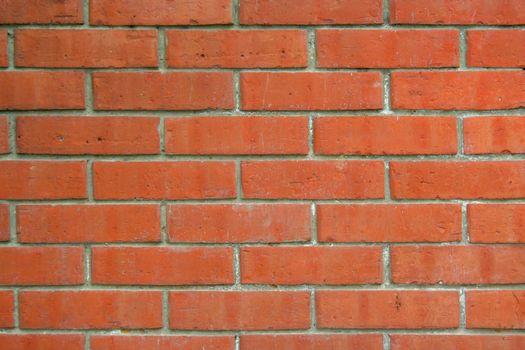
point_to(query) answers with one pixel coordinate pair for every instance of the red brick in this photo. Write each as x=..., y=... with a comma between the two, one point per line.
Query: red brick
x=478, y=90
x=311, y=12
x=83, y=135
x=496, y=223
x=389, y=223
x=385, y=135
x=237, y=48
x=457, y=265
x=456, y=342
x=311, y=265
x=312, y=341
x=129, y=342
x=7, y=309
x=3, y=48
x=313, y=179
x=501, y=309
x=457, y=12
x=41, y=11
x=42, y=341
x=387, y=309
x=88, y=223
x=387, y=48
x=41, y=90
x=237, y=135
x=90, y=309
x=485, y=135
x=311, y=91
x=4, y=135
x=242, y=223
x=163, y=91
x=463, y=180
x=4, y=223
x=217, y=310
x=164, y=180
x=160, y=12
x=41, y=266
x=86, y=48
x=496, y=48
x=42, y=179
x=162, y=266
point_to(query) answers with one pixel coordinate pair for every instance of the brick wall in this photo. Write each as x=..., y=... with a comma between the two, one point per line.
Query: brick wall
x=262, y=174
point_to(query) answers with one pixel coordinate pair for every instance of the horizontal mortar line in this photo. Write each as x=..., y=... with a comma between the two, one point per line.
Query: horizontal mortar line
x=264, y=201
x=319, y=331
x=226, y=112
x=268, y=27
x=153, y=158
x=268, y=287
x=252, y=244
x=265, y=113
x=317, y=69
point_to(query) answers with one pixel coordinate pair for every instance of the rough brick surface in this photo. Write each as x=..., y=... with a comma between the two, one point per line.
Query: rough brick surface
x=239, y=310
x=162, y=266
x=385, y=135
x=311, y=91
x=237, y=49
x=41, y=90
x=389, y=223
x=78, y=135
x=312, y=179
x=67, y=309
x=387, y=309
x=216, y=223
x=41, y=266
x=41, y=12
x=493, y=135
x=237, y=135
x=88, y=223
x=262, y=174
x=86, y=48
x=505, y=307
x=311, y=265
x=388, y=48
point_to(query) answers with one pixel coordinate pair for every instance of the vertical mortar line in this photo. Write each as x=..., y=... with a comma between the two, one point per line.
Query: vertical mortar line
x=164, y=222
x=16, y=308
x=313, y=318
x=165, y=312
x=386, y=13
x=237, y=342
x=462, y=309
x=237, y=266
x=386, y=92
x=87, y=339
x=237, y=90
x=313, y=223
x=12, y=135
x=461, y=146
x=88, y=90
x=161, y=48
x=464, y=224
x=312, y=53
x=386, y=341
x=13, y=238
x=386, y=266
x=85, y=9
x=462, y=49
x=11, y=48
x=235, y=12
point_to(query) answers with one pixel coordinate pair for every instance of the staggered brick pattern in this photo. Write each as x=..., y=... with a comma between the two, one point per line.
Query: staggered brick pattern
x=262, y=174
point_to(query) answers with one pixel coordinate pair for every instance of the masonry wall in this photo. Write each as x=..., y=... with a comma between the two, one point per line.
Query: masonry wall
x=262, y=174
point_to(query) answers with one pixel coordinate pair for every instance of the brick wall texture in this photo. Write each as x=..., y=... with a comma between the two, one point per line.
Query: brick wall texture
x=262, y=174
